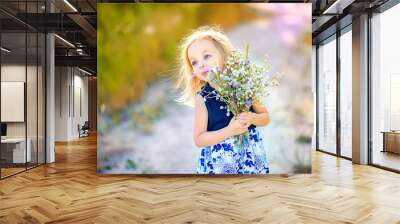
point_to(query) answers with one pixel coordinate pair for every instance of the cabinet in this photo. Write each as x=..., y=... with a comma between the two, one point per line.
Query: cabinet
x=391, y=142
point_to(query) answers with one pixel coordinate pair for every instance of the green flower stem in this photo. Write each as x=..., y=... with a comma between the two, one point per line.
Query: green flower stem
x=247, y=52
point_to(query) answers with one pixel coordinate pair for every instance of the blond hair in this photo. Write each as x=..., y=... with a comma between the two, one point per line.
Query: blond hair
x=189, y=84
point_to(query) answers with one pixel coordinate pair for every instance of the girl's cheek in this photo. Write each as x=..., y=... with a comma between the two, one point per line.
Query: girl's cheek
x=221, y=64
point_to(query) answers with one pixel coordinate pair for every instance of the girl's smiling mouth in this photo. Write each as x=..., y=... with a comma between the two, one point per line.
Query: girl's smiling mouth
x=204, y=72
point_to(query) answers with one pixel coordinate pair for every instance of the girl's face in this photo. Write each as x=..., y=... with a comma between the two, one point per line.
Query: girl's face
x=203, y=55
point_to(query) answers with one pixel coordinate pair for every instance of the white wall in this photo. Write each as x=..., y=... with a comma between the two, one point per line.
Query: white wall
x=12, y=100
x=61, y=103
x=33, y=126
x=71, y=93
x=16, y=73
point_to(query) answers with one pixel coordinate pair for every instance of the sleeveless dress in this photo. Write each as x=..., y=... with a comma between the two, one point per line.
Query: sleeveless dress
x=227, y=157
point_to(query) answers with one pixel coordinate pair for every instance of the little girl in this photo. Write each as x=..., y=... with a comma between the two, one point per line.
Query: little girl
x=214, y=126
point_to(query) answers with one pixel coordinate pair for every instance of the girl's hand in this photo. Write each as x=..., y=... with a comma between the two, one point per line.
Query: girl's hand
x=237, y=126
x=246, y=117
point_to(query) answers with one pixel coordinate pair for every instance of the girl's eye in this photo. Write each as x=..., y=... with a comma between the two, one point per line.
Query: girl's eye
x=194, y=63
x=207, y=56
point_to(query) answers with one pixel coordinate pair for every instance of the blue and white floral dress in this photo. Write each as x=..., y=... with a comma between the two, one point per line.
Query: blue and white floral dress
x=227, y=157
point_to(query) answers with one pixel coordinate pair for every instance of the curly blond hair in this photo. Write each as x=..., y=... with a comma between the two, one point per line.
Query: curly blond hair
x=189, y=84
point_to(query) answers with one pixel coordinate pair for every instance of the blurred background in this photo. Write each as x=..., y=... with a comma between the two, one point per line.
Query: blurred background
x=140, y=126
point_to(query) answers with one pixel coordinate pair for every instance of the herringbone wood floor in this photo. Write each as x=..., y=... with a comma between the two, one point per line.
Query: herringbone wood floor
x=70, y=191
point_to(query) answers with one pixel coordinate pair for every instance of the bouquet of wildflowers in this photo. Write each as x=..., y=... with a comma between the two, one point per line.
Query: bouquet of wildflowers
x=241, y=83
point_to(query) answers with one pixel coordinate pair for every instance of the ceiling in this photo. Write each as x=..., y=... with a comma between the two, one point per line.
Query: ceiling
x=328, y=16
x=75, y=21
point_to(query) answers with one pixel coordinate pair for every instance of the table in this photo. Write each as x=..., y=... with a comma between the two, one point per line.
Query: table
x=17, y=150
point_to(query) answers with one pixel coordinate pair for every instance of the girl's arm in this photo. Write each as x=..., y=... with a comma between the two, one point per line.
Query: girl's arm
x=260, y=117
x=202, y=137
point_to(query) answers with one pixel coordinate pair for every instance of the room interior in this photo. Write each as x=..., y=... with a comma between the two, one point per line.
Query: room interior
x=48, y=92
x=22, y=102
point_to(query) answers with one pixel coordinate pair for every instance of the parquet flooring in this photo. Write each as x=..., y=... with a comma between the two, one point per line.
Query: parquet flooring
x=70, y=191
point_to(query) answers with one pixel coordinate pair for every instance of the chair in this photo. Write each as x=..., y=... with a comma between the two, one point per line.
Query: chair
x=84, y=130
